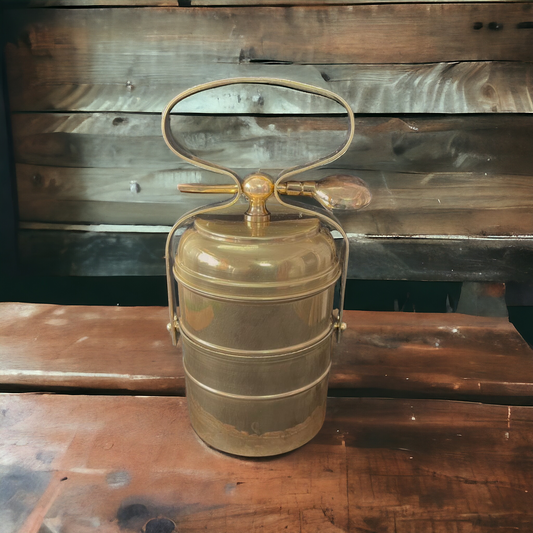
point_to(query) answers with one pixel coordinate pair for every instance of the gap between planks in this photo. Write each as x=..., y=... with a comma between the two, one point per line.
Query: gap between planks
x=132, y=228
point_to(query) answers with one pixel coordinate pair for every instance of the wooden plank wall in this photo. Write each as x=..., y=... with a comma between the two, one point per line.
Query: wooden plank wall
x=442, y=93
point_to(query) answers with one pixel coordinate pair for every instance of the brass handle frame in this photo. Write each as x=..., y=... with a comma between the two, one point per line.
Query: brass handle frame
x=326, y=217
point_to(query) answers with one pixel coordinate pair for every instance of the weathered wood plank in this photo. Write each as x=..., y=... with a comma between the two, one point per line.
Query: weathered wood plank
x=459, y=87
x=441, y=259
x=458, y=203
x=128, y=349
x=81, y=253
x=89, y=347
x=432, y=354
x=394, y=440
x=465, y=204
x=492, y=144
x=91, y=254
x=61, y=58
x=166, y=471
x=409, y=465
x=472, y=87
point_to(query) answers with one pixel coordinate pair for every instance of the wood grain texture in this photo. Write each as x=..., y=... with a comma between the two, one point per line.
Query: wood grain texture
x=446, y=87
x=426, y=438
x=78, y=168
x=67, y=58
x=388, y=465
x=72, y=253
x=468, y=87
x=492, y=144
x=441, y=259
x=86, y=347
x=89, y=253
x=128, y=349
x=467, y=204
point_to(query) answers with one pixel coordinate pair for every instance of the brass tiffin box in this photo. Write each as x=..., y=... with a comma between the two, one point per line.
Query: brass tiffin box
x=256, y=294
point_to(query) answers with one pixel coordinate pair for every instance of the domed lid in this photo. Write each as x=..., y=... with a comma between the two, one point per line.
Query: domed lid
x=280, y=260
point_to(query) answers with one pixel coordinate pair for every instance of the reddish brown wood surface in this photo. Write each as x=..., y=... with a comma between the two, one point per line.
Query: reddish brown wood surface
x=114, y=348
x=78, y=464
x=48, y=347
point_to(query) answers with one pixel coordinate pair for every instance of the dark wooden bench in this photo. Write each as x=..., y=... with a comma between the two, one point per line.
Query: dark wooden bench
x=127, y=350
x=111, y=457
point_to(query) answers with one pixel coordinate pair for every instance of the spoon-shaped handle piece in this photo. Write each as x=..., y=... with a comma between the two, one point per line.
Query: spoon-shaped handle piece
x=340, y=192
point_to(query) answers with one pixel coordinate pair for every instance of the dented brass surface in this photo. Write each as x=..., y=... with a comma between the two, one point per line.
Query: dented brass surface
x=241, y=428
x=256, y=328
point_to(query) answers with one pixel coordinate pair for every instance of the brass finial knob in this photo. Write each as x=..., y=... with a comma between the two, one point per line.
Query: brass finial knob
x=257, y=187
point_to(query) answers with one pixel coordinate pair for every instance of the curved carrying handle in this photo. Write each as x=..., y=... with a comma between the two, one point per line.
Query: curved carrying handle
x=290, y=188
x=182, y=152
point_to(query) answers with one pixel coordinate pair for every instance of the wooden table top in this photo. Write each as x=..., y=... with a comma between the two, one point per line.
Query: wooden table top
x=127, y=349
x=79, y=464
x=104, y=459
